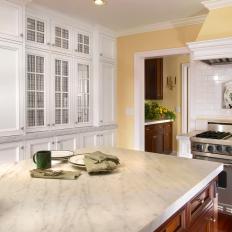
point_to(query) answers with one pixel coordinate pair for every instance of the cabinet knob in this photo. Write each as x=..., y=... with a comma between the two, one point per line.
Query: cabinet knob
x=22, y=128
x=53, y=124
x=212, y=219
x=76, y=50
x=53, y=143
x=53, y=45
x=101, y=121
x=21, y=35
x=201, y=200
x=101, y=54
x=76, y=123
x=58, y=142
x=48, y=44
x=48, y=124
x=22, y=147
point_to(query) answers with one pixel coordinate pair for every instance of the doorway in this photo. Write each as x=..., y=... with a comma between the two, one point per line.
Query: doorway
x=139, y=93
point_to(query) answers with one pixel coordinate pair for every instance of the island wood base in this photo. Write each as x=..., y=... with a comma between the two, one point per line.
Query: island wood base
x=199, y=215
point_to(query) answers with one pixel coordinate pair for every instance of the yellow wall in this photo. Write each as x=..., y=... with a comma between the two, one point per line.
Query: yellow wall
x=172, y=98
x=126, y=47
x=218, y=24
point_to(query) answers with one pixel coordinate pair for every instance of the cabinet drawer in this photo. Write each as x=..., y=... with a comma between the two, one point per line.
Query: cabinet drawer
x=199, y=204
x=175, y=224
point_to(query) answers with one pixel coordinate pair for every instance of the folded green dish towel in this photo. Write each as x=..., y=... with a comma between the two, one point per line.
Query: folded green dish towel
x=99, y=162
x=55, y=174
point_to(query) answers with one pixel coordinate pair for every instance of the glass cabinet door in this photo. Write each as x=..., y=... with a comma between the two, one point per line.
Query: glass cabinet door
x=83, y=93
x=61, y=38
x=82, y=44
x=35, y=30
x=61, y=92
x=35, y=91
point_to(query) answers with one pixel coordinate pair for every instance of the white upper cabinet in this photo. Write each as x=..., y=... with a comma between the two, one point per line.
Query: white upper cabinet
x=107, y=93
x=61, y=91
x=82, y=43
x=11, y=89
x=37, y=31
x=83, y=93
x=61, y=37
x=11, y=21
x=107, y=46
x=37, y=86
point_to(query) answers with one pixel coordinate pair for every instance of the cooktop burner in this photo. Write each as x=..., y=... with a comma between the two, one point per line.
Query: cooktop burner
x=214, y=135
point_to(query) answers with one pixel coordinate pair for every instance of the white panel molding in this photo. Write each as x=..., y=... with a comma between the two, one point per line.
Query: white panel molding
x=164, y=25
x=217, y=48
x=215, y=4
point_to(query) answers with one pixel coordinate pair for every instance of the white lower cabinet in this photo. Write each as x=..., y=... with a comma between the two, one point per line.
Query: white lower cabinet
x=33, y=146
x=11, y=152
x=88, y=140
x=106, y=138
x=67, y=142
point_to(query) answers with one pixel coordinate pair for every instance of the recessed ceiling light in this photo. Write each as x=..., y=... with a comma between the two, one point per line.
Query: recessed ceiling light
x=99, y=2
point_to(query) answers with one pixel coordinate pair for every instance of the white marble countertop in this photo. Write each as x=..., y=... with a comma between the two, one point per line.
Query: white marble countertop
x=157, y=121
x=140, y=195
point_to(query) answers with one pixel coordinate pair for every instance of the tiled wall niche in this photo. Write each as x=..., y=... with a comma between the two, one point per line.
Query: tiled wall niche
x=207, y=85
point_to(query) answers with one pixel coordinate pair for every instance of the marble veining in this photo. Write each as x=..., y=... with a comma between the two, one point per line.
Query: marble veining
x=140, y=195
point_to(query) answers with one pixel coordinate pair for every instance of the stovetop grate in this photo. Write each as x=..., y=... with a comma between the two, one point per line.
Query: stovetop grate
x=214, y=135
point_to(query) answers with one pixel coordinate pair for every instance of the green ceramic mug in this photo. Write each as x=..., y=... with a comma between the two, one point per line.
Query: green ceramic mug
x=42, y=159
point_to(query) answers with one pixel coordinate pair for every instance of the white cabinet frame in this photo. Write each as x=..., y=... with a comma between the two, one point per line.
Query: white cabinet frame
x=19, y=87
x=9, y=9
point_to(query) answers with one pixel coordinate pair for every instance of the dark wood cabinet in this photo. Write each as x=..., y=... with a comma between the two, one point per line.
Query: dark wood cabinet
x=154, y=79
x=167, y=138
x=158, y=138
x=198, y=215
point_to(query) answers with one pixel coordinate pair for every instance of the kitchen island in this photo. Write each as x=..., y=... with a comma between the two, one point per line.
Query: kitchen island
x=141, y=195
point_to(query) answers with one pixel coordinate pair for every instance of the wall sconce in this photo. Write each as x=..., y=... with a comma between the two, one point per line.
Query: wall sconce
x=171, y=82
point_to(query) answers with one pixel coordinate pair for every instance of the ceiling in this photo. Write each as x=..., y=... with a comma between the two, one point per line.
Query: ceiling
x=122, y=15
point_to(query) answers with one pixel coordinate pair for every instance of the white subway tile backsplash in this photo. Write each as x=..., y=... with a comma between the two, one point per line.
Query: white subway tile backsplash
x=207, y=89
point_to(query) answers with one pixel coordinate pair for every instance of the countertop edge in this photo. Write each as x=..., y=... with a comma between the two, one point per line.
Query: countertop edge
x=158, y=122
x=152, y=226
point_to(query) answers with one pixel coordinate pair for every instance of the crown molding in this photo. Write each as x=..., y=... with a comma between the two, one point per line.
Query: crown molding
x=215, y=4
x=163, y=25
x=21, y=2
x=211, y=49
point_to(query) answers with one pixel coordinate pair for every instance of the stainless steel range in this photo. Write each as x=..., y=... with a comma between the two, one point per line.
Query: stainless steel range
x=216, y=145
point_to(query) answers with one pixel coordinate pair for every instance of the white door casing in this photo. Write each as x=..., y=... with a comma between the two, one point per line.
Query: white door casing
x=139, y=89
x=185, y=98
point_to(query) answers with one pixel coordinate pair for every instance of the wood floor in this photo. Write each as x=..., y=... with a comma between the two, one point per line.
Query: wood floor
x=224, y=223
